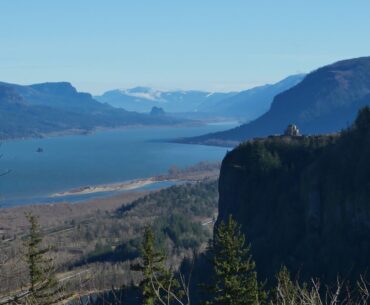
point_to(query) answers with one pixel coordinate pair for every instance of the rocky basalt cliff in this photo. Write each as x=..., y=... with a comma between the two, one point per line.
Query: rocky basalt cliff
x=303, y=202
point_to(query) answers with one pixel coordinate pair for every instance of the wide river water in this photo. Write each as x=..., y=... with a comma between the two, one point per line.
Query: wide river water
x=104, y=157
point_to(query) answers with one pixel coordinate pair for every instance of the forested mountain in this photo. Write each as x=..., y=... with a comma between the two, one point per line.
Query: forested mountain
x=327, y=100
x=249, y=104
x=39, y=109
x=303, y=202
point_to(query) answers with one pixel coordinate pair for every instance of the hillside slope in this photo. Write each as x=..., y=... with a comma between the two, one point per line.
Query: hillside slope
x=327, y=100
x=57, y=107
x=303, y=202
x=249, y=104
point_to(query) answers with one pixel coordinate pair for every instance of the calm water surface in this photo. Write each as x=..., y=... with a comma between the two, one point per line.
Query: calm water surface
x=105, y=157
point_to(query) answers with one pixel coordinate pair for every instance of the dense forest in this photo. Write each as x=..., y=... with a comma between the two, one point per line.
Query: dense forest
x=304, y=199
x=175, y=214
x=227, y=266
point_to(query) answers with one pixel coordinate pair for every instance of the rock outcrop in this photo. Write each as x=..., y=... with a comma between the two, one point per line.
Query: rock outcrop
x=303, y=201
x=157, y=111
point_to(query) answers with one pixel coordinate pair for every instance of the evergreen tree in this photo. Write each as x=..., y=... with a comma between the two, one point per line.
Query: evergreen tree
x=285, y=291
x=235, y=279
x=44, y=287
x=152, y=265
x=362, y=122
x=159, y=284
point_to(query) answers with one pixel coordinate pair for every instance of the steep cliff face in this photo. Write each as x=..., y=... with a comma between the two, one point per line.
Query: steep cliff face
x=303, y=202
x=327, y=100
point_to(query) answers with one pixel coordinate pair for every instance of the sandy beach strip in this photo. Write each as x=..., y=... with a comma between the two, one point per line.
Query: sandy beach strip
x=122, y=186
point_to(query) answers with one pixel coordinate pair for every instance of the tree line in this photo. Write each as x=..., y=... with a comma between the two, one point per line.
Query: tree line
x=232, y=279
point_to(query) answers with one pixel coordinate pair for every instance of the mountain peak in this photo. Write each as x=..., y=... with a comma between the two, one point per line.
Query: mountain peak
x=55, y=87
x=326, y=101
x=143, y=93
x=157, y=111
x=140, y=89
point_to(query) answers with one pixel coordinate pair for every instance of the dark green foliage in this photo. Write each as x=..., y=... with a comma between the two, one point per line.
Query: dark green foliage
x=158, y=282
x=304, y=201
x=180, y=230
x=175, y=209
x=285, y=290
x=363, y=120
x=235, y=278
x=105, y=253
x=152, y=265
x=198, y=199
x=175, y=214
x=44, y=288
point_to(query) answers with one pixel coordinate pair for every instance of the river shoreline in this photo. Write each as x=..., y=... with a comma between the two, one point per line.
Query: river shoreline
x=89, y=132
x=100, y=192
x=105, y=164
x=60, y=210
x=191, y=174
x=120, y=186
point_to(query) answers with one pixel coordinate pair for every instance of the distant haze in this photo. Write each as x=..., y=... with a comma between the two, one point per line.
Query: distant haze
x=244, y=105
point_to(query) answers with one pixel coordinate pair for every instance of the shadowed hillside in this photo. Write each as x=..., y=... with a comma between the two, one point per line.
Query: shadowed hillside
x=57, y=107
x=303, y=202
x=327, y=100
x=250, y=104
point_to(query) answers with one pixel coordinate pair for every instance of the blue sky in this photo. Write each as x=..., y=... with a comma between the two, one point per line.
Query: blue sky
x=172, y=44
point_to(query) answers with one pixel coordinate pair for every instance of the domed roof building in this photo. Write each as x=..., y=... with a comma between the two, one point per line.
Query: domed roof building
x=292, y=131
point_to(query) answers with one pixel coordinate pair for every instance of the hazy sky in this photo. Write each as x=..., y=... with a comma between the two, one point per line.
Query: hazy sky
x=168, y=44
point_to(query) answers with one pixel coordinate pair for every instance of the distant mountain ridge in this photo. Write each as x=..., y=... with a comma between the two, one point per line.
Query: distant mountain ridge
x=56, y=95
x=142, y=99
x=252, y=103
x=39, y=109
x=244, y=105
x=36, y=110
x=326, y=101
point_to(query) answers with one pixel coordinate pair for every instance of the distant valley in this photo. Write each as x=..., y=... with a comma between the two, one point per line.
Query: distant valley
x=244, y=105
